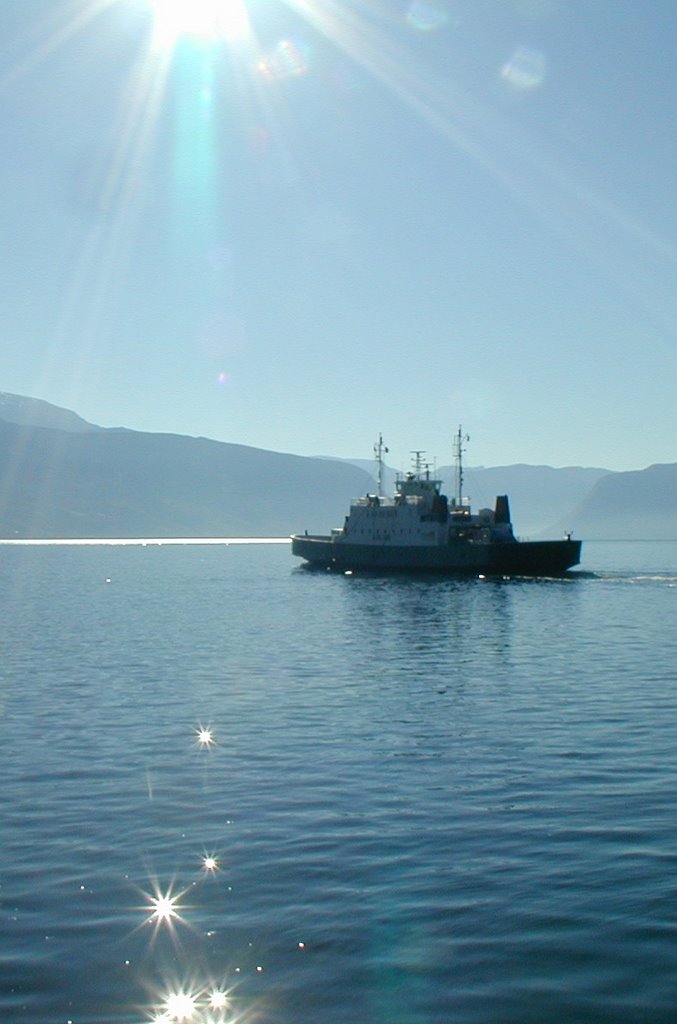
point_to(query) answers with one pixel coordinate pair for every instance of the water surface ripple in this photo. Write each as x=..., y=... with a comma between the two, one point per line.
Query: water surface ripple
x=427, y=800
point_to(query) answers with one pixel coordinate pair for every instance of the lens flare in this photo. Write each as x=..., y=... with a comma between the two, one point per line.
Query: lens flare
x=287, y=60
x=525, y=70
x=427, y=15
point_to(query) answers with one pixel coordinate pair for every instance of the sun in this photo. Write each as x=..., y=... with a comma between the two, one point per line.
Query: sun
x=208, y=19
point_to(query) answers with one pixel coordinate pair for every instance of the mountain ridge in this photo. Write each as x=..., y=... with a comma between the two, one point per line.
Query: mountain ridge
x=36, y=412
x=61, y=476
x=119, y=483
x=636, y=504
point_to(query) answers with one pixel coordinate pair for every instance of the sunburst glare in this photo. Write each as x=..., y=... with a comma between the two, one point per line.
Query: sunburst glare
x=123, y=176
x=164, y=908
x=189, y=1000
x=205, y=737
x=218, y=1000
x=181, y=1006
x=209, y=19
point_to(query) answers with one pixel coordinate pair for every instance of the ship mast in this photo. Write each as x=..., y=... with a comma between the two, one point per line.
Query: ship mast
x=379, y=451
x=418, y=462
x=459, y=440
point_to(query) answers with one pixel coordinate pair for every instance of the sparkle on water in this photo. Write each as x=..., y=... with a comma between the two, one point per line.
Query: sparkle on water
x=218, y=1000
x=165, y=907
x=186, y=1002
x=205, y=736
x=181, y=1006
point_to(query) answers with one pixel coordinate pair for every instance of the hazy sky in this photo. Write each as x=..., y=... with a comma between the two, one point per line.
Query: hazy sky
x=322, y=219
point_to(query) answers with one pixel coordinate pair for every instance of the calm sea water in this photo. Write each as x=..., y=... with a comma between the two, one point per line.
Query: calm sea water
x=426, y=800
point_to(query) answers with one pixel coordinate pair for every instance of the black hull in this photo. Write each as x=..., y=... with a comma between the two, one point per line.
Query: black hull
x=519, y=558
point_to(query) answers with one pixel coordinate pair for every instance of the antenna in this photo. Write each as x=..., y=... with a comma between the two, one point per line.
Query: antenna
x=379, y=451
x=418, y=462
x=459, y=440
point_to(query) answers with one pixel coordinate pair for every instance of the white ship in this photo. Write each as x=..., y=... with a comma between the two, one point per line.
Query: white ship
x=419, y=529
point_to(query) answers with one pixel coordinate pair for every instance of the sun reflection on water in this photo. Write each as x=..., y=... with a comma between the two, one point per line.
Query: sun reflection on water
x=181, y=1006
x=164, y=909
x=209, y=864
x=205, y=736
x=204, y=1004
x=218, y=1000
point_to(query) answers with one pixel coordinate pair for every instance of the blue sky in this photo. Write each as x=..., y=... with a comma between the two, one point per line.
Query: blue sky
x=346, y=217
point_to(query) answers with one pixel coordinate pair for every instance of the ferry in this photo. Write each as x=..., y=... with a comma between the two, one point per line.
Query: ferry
x=419, y=529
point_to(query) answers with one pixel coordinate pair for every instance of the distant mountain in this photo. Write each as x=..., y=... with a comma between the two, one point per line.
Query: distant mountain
x=124, y=483
x=61, y=476
x=33, y=412
x=539, y=495
x=637, y=505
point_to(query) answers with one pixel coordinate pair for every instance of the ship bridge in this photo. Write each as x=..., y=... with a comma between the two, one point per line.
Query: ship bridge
x=416, y=486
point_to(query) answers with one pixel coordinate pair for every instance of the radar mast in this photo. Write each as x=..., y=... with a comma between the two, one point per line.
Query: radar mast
x=459, y=440
x=379, y=451
x=419, y=463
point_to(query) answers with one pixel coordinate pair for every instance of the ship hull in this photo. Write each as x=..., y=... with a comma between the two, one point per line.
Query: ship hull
x=519, y=558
